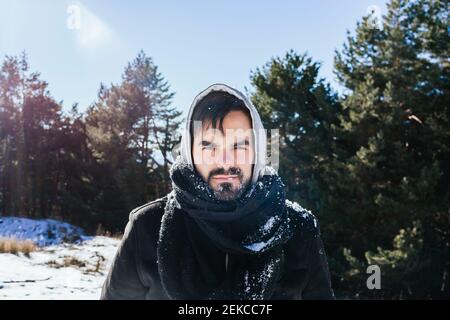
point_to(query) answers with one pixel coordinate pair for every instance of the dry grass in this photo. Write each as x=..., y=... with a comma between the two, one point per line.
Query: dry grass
x=14, y=246
x=67, y=262
x=106, y=233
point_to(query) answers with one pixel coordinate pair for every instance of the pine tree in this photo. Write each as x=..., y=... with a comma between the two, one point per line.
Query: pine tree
x=158, y=122
x=393, y=160
x=291, y=98
x=132, y=128
x=31, y=122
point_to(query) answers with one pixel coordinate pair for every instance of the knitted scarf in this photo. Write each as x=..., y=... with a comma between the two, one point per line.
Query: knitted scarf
x=197, y=230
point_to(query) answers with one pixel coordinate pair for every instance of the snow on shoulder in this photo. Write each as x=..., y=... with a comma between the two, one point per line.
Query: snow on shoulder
x=304, y=214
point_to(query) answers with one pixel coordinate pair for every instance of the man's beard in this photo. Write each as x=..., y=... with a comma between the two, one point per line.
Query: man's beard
x=225, y=190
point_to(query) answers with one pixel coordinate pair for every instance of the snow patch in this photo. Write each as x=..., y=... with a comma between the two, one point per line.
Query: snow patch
x=298, y=208
x=269, y=224
x=65, y=271
x=43, y=232
x=258, y=246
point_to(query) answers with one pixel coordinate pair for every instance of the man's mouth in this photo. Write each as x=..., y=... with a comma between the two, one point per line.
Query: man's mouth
x=225, y=177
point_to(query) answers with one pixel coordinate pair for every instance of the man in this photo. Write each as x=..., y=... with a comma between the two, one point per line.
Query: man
x=226, y=231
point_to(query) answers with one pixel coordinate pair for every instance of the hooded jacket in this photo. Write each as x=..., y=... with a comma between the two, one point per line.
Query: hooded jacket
x=134, y=270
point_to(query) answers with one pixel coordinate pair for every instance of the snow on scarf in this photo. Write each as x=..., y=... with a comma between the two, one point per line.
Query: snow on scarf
x=197, y=230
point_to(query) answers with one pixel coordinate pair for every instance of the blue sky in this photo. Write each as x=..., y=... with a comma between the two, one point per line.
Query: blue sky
x=194, y=43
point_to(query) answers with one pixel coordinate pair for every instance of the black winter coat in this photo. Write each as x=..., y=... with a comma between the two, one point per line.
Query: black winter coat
x=134, y=270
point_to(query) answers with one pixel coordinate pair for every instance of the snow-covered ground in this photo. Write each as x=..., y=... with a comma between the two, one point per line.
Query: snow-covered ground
x=59, y=271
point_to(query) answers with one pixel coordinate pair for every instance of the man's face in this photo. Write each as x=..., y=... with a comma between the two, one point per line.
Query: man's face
x=224, y=160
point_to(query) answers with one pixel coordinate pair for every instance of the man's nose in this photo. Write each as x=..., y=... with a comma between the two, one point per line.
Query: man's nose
x=225, y=158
